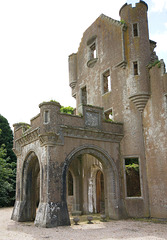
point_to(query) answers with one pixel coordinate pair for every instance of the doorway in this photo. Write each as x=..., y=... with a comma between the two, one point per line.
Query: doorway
x=85, y=162
x=31, y=182
x=85, y=187
x=100, y=192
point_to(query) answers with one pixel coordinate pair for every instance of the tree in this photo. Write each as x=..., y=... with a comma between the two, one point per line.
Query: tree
x=8, y=163
x=6, y=172
x=6, y=137
x=68, y=110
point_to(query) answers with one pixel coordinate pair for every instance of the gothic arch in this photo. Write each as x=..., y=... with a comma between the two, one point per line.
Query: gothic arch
x=110, y=172
x=30, y=194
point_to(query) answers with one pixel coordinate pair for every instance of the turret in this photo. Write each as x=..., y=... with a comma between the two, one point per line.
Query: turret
x=72, y=61
x=137, y=50
x=49, y=119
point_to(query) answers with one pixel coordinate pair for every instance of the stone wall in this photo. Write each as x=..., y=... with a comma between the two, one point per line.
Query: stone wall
x=155, y=130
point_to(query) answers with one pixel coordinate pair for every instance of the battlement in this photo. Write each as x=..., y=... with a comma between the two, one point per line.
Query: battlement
x=68, y=162
x=130, y=7
x=54, y=126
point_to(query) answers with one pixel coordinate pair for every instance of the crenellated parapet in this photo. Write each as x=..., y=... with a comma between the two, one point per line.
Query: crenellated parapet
x=25, y=138
x=55, y=126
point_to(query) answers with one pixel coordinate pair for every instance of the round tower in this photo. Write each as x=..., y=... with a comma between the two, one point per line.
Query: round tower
x=137, y=50
x=72, y=61
x=49, y=117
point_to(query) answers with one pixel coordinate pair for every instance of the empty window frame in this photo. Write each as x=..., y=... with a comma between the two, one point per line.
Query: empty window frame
x=135, y=68
x=106, y=80
x=109, y=115
x=84, y=95
x=91, y=43
x=92, y=50
x=132, y=176
x=135, y=30
x=46, y=116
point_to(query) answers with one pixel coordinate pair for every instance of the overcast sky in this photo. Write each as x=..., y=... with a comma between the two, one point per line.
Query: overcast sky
x=36, y=37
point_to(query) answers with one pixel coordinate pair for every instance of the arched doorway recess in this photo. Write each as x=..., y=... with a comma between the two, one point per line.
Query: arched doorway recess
x=31, y=186
x=108, y=177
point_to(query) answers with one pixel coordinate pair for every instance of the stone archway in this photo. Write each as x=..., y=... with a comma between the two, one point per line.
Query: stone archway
x=30, y=182
x=112, y=195
x=30, y=189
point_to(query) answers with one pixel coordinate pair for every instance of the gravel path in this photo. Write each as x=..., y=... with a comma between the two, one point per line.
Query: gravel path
x=114, y=230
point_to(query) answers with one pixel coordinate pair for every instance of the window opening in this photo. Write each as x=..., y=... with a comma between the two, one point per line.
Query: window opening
x=135, y=68
x=109, y=115
x=93, y=51
x=106, y=82
x=135, y=30
x=132, y=172
x=84, y=96
x=46, y=116
x=70, y=184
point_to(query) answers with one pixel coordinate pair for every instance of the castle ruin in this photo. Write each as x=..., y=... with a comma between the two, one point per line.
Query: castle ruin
x=111, y=157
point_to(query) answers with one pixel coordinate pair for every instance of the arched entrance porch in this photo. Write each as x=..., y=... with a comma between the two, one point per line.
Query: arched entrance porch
x=86, y=196
x=85, y=186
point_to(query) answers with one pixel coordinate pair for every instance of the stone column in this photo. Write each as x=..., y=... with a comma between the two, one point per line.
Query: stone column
x=53, y=212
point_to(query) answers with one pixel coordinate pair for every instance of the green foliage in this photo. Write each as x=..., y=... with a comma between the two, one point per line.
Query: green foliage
x=6, y=172
x=54, y=101
x=108, y=120
x=7, y=164
x=130, y=167
x=131, y=164
x=129, y=161
x=156, y=62
x=122, y=21
x=68, y=110
x=6, y=137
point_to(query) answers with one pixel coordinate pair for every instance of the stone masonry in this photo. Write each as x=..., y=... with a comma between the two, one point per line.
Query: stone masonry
x=82, y=164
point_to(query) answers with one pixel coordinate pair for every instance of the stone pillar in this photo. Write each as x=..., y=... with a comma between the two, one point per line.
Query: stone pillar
x=54, y=211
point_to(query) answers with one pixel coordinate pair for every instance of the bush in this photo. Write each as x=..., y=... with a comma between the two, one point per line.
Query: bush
x=6, y=172
x=68, y=110
x=7, y=164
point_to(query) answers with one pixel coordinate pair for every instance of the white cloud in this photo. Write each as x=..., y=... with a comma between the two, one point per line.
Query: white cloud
x=159, y=5
x=165, y=24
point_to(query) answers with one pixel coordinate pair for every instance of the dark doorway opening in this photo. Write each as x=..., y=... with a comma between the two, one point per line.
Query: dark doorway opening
x=32, y=187
x=99, y=192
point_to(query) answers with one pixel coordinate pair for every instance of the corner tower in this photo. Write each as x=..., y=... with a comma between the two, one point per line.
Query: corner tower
x=137, y=52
